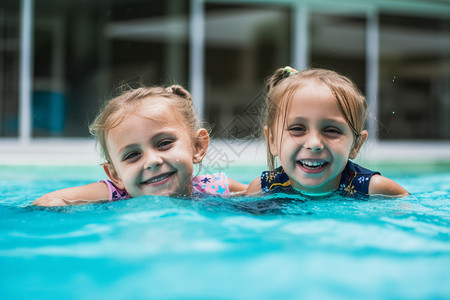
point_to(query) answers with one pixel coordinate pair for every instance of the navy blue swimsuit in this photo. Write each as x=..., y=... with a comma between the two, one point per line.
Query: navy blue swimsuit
x=354, y=180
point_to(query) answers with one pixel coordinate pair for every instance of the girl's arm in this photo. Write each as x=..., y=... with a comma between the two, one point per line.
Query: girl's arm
x=380, y=185
x=236, y=188
x=92, y=193
x=254, y=187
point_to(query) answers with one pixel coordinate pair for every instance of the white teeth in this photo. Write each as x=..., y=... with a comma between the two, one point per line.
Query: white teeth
x=312, y=164
x=159, y=178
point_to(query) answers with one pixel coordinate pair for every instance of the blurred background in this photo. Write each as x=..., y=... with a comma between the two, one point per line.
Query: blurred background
x=59, y=60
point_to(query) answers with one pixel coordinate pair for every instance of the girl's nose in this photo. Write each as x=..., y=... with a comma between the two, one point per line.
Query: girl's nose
x=313, y=142
x=152, y=160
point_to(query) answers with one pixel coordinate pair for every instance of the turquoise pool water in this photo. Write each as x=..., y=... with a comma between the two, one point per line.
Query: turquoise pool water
x=266, y=248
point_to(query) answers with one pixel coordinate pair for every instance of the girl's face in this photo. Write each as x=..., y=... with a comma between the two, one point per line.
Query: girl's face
x=314, y=142
x=152, y=152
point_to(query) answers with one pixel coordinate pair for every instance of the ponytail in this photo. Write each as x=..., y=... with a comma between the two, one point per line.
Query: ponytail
x=180, y=91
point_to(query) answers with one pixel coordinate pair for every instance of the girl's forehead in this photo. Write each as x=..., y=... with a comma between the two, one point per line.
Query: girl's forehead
x=159, y=109
x=146, y=121
x=311, y=102
x=153, y=105
x=311, y=94
x=162, y=113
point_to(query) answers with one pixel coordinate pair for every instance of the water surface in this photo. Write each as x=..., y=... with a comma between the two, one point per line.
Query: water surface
x=277, y=247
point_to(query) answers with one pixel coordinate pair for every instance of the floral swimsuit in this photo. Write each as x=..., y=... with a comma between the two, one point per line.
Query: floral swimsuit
x=354, y=180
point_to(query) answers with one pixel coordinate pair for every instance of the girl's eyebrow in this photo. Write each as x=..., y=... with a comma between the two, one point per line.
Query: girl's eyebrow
x=337, y=120
x=296, y=119
x=164, y=134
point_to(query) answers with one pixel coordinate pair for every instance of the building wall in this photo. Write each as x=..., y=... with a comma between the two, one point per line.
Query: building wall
x=82, y=52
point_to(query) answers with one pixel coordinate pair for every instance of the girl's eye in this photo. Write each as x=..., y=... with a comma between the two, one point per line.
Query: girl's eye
x=297, y=130
x=131, y=156
x=165, y=144
x=333, y=132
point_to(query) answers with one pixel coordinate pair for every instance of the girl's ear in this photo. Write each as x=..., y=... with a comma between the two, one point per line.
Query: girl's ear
x=112, y=174
x=358, y=144
x=271, y=141
x=201, y=145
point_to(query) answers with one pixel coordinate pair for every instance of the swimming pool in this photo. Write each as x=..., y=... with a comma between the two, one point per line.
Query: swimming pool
x=266, y=248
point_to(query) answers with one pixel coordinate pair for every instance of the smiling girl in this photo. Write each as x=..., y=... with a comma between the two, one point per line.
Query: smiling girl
x=314, y=124
x=150, y=139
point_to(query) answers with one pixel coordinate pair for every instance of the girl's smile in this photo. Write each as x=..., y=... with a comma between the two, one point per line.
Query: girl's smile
x=152, y=152
x=159, y=179
x=312, y=166
x=313, y=141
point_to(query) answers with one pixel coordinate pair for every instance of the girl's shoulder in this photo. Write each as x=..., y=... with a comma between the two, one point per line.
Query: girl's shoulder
x=357, y=179
x=275, y=179
x=270, y=181
x=380, y=185
x=114, y=193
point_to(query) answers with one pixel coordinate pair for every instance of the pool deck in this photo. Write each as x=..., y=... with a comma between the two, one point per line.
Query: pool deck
x=221, y=153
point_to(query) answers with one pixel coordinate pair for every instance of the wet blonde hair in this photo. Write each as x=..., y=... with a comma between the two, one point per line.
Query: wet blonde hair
x=114, y=111
x=283, y=84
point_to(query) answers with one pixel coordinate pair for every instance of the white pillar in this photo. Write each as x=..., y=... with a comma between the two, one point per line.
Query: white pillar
x=26, y=71
x=197, y=43
x=300, y=47
x=372, y=61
